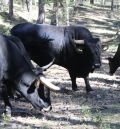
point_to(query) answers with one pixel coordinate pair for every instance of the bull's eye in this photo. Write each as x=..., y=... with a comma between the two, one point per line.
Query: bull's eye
x=31, y=89
x=25, y=84
x=33, y=86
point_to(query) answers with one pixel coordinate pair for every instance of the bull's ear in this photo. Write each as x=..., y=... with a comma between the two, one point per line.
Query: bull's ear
x=32, y=87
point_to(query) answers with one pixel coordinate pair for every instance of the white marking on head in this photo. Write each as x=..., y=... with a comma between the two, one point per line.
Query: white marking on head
x=35, y=99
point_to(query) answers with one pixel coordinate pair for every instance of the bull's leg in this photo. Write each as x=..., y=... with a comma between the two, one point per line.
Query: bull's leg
x=6, y=101
x=88, y=87
x=47, y=94
x=73, y=79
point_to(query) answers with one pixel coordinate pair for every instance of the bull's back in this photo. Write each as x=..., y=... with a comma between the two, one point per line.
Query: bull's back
x=45, y=41
x=12, y=58
x=34, y=33
x=3, y=54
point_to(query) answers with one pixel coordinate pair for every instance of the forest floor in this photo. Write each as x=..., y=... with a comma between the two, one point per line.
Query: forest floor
x=77, y=110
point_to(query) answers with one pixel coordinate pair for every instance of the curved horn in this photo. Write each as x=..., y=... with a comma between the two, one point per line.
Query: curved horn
x=111, y=38
x=49, y=85
x=78, y=41
x=48, y=65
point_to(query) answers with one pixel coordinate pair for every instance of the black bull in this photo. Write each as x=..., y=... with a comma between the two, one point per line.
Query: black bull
x=60, y=45
x=114, y=62
x=17, y=73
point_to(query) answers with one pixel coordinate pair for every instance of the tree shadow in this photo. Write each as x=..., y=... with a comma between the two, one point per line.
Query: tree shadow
x=90, y=22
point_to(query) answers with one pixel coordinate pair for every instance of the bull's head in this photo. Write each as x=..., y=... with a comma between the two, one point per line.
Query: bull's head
x=95, y=49
x=91, y=48
x=113, y=65
x=33, y=88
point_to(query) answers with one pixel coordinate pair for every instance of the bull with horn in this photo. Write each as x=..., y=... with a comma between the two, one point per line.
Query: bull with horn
x=72, y=47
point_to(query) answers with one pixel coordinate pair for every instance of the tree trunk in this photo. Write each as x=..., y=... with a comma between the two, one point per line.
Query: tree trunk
x=29, y=5
x=103, y=2
x=67, y=13
x=54, y=17
x=1, y=5
x=23, y=4
x=41, y=12
x=11, y=8
x=112, y=5
x=91, y=1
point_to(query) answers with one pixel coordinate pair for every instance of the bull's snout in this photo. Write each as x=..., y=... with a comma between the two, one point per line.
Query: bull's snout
x=47, y=109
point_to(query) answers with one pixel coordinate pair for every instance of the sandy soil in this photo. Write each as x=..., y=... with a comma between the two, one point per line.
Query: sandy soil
x=77, y=110
x=74, y=110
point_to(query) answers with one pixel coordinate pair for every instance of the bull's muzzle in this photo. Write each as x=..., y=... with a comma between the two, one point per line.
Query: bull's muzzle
x=47, y=109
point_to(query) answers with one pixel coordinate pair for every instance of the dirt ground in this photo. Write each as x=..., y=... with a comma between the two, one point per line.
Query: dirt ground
x=77, y=110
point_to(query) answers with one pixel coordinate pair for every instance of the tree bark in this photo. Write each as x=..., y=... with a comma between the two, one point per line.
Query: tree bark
x=11, y=8
x=112, y=5
x=29, y=5
x=23, y=4
x=91, y=1
x=41, y=12
x=54, y=17
x=67, y=13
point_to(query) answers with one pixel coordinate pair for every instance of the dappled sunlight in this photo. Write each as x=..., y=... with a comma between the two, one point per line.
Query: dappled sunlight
x=76, y=109
x=104, y=76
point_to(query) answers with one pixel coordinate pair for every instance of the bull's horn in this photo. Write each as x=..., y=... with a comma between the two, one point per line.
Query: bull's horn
x=48, y=65
x=78, y=41
x=37, y=83
x=49, y=85
x=110, y=39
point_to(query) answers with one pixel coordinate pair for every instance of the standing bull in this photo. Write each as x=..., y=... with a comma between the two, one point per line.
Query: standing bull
x=17, y=73
x=72, y=47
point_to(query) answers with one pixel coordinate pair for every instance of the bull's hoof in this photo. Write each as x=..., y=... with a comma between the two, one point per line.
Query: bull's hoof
x=47, y=109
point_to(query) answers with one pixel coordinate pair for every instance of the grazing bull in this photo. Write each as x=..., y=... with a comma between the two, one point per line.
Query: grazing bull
x=114, y=62
x=18, y=74
x=73, y=48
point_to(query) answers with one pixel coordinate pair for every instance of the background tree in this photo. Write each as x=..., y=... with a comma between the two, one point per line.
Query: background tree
x=29, y=5
x=91, y=1
x=41, y=12
x=1, y=4
x=57, y=9
x=67, y=12
x=23, y=3
x=112, y=5
x=11, y=9
x=54, y=17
